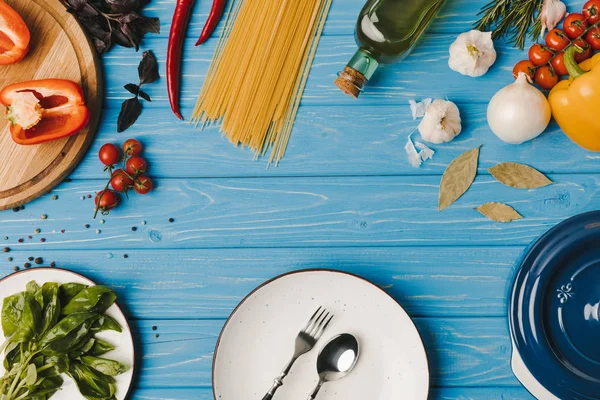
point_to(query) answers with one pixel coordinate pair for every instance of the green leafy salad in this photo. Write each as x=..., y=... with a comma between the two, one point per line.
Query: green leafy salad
x=51, y=330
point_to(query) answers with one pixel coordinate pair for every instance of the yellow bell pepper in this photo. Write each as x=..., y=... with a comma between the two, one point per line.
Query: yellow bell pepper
x=575, y=101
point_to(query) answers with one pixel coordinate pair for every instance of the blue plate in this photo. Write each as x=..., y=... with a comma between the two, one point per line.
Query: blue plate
x=554, y=309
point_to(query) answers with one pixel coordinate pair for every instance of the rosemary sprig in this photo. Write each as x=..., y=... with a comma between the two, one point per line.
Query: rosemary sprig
x=513, y=19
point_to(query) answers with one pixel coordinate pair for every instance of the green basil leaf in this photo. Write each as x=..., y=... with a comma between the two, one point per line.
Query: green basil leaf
x=70, y=290
x=21, y=317
x=32, y=287
x=106, y=323
x=51, y=310
x=104, y=365
x=84, y=347
x=12, y=355
x=31, y=375
x=45, y=388
x=91, y=383
x=67, y=329
x=100, y=347
x=54, y=366
x=94, y=298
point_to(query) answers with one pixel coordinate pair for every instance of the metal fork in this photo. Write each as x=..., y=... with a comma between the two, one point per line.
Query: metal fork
x=305, y=341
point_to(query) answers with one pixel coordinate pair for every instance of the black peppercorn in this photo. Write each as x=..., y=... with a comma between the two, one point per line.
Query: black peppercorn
x=27, y=265
x=39, y=260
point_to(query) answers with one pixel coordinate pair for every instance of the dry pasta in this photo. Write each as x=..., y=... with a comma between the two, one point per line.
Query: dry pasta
x=255, y=83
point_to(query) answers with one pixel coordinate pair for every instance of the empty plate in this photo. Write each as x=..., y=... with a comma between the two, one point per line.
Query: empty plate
x=258, y=340
x=554, y=309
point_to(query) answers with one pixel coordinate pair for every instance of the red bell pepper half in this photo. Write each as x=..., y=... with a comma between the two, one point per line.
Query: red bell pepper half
x=44, y=110
x=14, y=35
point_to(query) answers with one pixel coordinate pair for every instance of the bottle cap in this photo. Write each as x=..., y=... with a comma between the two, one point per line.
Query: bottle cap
x=351, y=82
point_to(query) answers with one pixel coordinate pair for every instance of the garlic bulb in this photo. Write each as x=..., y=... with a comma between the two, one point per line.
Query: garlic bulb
x=441, y=122
x=553, y=11
x=472, y=53
x=519, y=112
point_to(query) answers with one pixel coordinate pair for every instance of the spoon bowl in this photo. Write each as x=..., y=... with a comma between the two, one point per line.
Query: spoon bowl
x=336, y=360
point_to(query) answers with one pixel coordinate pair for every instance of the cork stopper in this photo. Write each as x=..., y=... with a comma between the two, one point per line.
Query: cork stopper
x=351, y=82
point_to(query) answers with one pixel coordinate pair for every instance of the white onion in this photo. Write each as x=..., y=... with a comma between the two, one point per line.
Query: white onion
x=519, y=112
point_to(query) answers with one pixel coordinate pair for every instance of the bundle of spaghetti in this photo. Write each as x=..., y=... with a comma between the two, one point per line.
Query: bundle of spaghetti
x=258, y=75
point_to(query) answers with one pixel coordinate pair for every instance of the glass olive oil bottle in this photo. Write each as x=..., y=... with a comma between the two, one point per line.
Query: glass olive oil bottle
x=386, y=31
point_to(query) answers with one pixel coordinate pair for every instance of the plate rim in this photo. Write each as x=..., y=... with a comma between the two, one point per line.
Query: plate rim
x=119, y=309
x=522, y=276
x=301, y=271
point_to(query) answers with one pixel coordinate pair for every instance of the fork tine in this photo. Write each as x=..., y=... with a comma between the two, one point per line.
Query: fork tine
x=318, y=324
x=312, y=318
x=322, y=329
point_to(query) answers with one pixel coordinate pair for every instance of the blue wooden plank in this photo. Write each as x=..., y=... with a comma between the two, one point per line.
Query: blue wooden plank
x=164, y=284
x=330, y=141
x=461, y=351
x=494, y=393
x=425, y=73
x=298, y=212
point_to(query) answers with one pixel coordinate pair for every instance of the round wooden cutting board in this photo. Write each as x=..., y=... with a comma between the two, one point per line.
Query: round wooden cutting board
x=59, y=48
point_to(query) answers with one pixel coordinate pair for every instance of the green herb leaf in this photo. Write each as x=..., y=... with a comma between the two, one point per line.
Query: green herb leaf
x=519, y=176
x=103, y=365
x=51, y=310
x=31, y=376
x=21, y=317
x=94, y=298
x=499, y=212
x=100, y=347
x=106, y=323
x=458, y=178
x=91, y=383
x=69, y=290
x=68, y=332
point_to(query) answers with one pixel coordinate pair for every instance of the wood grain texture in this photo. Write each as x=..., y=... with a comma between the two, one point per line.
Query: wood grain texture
x=331, y=141
x=299, y=212
x=26, y=172
x=162, y=284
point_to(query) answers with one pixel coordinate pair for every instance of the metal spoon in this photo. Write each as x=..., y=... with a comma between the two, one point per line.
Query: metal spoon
x=336, y=360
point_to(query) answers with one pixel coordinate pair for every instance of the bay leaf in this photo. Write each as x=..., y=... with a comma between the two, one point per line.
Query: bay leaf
x=458, y=178
x=519, y=176
x=499, y=212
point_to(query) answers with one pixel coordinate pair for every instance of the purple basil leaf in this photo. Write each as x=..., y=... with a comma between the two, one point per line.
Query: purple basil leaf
x=130, y=111
x=132, y=88
x=101, y=46
x=145, y=25
x=121, y=6
x=144, y=95
x=148, y=68
x=120, y=38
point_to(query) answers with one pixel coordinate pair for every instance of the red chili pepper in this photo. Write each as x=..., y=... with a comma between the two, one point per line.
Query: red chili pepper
x=44, y=110
x=213, y=20
x=181, y=17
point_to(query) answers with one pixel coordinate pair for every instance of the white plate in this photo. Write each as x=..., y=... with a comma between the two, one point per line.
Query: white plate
x=258, y=339
x=123, y=342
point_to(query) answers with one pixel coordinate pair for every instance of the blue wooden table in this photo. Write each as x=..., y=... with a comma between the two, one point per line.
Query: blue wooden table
x=344, y=197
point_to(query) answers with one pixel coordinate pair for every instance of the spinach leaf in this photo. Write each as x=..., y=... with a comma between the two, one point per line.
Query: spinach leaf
x=51, y=310
x=54, y=366
x=84, y=347
x=95, y=298
x=13, y=355
x=106, y=323
x=91, y=383
x=45, y=388
x=103, y=365
x=32, y=287
x=21, y=317
x=70, y=290
x=71, y=334
x=100, y=347
x=66, y=326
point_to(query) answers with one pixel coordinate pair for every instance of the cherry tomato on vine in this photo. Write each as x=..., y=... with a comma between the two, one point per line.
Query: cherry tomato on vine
x=136, y=165
x=109, y=154
x=525, y=66
x=106, y=200
x=593, y=38
x=557, y=40
x=591, y=10
x=546, y=77
x=120, y=181
x=558, y=63
x=587, y=50
x=143, y=185
x=575, y=25
x=132, y=147
x=540, y=55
